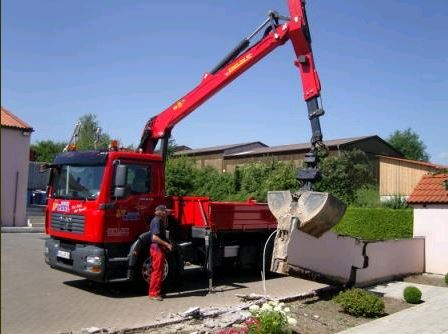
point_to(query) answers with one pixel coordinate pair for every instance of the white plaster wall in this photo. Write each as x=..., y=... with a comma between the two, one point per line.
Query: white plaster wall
x=392, y=258
x=431, y=222
x=330, y=255
x=14, y=158
x=333, y=256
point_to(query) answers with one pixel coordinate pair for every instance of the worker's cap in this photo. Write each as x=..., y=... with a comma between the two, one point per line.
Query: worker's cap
x=161, y=207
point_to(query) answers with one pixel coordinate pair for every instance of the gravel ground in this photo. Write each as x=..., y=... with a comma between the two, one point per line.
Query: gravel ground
x=314, y=316
x=320, y=316
x=428, y=279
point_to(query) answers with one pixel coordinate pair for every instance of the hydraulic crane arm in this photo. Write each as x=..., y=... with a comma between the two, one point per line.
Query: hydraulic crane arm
x=293, y=28
x=306, y=210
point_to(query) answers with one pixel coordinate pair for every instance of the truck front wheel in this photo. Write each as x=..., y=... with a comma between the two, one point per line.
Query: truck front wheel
x=171, y=272
x=146, y=270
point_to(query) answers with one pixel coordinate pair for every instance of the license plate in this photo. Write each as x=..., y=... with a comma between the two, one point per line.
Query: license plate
x=63, y=254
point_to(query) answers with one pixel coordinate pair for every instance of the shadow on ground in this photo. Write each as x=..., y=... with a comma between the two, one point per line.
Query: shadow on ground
x=193, y=283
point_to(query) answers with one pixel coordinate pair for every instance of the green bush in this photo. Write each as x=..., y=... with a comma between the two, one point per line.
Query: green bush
x=256, y=179
x=446, y=279
x=184, y=177
x=358, y=302
x=412, y=295
x=367, y=197
x=180, y=176
x=207, y=181
x=376, y=223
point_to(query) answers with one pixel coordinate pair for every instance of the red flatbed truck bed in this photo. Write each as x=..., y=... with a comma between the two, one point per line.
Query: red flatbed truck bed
x=223, y=216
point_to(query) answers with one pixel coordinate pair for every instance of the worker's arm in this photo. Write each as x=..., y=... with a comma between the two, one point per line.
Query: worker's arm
x=158, y=240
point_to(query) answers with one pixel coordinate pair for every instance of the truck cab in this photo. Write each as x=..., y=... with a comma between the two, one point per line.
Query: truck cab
x=99, y=203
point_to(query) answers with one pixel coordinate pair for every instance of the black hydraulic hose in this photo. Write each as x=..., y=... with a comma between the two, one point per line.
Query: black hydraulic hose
x=232, y=55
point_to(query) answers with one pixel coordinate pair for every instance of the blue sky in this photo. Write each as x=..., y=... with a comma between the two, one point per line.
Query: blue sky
x=383, y=66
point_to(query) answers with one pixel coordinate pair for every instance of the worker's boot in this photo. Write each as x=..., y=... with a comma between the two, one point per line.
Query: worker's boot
x=309, y=211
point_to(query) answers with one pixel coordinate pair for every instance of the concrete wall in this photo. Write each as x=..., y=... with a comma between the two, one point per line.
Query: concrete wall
x=15, y=147
x=431, y=222
x=391, y=258
x=344, y=258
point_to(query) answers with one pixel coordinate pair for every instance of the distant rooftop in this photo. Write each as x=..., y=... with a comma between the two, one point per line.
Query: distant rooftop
x=260, y=149
x=220, y=148
x=416, y=162
x=303, y=147
x=9, y=120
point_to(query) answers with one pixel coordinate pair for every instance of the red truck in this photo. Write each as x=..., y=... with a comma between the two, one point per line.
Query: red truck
x=100, y=202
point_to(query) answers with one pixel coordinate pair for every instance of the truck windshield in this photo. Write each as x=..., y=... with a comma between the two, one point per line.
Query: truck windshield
x=77, y=182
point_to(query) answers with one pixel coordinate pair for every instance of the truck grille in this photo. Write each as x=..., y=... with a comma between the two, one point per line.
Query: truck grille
x=67, y=223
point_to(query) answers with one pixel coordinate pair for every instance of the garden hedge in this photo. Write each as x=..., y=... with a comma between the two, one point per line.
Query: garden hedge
x=376, y=223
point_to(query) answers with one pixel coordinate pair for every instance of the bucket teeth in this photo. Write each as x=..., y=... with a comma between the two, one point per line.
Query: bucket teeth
x=311, y=212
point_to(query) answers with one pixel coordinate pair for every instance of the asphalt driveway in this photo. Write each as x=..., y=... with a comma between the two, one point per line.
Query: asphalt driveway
x=37, y=299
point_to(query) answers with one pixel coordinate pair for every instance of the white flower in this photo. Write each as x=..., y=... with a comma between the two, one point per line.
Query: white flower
x=254, y=308
x=287, y=309
x=278, y=308
x=266, y=307
x=273, y=302
x=281, y=304
x=292, y=321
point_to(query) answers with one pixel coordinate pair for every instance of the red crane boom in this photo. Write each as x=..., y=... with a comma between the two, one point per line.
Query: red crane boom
x=279, y=29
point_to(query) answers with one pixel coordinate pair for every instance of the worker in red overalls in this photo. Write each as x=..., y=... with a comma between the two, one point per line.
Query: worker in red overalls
x=159, y=246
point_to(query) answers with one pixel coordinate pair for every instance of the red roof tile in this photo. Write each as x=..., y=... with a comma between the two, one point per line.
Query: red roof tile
x=9, y=120
x=430, y=189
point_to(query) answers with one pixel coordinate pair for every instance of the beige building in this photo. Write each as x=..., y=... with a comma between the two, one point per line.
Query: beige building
x=15, y=150
x=226, y=158
x=398, y=177
x=214, y=156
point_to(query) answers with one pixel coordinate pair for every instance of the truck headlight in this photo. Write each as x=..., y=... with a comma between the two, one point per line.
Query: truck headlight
x=94, y=264
x=94, y=260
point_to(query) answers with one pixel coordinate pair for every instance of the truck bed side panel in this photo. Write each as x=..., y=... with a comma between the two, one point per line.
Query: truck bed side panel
x=234, y=216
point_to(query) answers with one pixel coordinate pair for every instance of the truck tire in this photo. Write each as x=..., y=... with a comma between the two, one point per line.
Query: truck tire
x=171, y=273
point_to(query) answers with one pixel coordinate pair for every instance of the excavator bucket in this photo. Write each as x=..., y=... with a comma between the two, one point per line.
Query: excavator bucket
x=309, y=211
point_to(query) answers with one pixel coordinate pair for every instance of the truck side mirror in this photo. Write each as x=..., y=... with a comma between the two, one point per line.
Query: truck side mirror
x=120, y=180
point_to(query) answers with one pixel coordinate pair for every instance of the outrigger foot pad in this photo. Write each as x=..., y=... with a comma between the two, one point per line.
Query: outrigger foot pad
x=311, y=212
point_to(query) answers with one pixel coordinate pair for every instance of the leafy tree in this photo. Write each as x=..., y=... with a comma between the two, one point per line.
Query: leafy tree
x=179, y=176
x=209, y=182
x=409, y=143
x=86, y=139
x=46, y=150
x=260, y=177
x=171, y=147
x=344, y=174
x=184, y=177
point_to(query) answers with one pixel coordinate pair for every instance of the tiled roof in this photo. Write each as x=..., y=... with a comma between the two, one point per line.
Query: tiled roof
x=416, y=162
x=9, y=120
x=430, y=189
